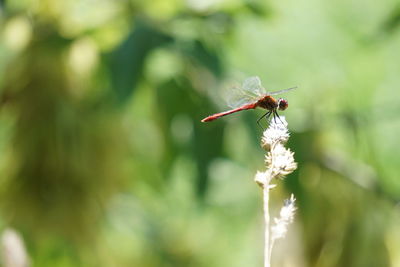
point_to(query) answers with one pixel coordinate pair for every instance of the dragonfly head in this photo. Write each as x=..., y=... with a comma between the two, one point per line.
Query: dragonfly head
x=282, y=104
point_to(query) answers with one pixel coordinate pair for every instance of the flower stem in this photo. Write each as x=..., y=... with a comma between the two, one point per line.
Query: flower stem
x=267, y=254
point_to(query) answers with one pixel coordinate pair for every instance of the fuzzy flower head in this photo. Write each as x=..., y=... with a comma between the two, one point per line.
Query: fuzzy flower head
x=277, y=132
x=286, y=217
x=280, y=161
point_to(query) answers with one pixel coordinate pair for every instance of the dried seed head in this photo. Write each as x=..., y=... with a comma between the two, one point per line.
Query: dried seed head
x=280, y=161
x=277, y=132
x=286, y=217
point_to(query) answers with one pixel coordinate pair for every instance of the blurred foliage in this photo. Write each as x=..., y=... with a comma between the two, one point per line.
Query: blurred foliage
x=104, y=160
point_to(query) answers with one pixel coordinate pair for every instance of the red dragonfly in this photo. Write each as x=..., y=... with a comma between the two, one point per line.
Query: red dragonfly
x=251, y=95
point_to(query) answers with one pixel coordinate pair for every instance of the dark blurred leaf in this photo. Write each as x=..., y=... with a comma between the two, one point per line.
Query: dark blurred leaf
x=128, y=59
x=180, y=98
x=257, y=8
x=204, y=56
x=392, y=22
x=206, y=147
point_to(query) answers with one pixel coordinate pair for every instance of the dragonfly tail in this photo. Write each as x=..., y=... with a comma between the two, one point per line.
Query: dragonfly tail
x=221, y=114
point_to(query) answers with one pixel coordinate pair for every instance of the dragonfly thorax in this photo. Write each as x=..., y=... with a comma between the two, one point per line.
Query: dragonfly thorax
x=268, y=102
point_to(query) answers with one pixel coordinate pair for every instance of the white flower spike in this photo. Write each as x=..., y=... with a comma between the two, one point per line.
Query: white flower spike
x=286, y=217
x=280, y=162
x=277, y=132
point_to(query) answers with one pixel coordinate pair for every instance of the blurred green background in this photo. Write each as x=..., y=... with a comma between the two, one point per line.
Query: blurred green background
x=104, y=160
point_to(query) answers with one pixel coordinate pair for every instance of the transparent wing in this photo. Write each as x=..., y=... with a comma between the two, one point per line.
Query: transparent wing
x=238, y=97
x=249, y=92
x=281, y=91
x=253, y=85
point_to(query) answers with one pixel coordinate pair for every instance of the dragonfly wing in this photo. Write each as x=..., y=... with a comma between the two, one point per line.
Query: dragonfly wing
x=281, y=91
x=253, y=85
x=249, y=92
x=238, y=97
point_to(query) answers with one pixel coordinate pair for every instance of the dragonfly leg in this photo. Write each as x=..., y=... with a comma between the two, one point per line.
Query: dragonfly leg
x=265, y=115
x=277, y=115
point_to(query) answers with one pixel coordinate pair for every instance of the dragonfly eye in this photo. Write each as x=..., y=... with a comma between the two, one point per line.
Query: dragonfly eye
x=282, y=104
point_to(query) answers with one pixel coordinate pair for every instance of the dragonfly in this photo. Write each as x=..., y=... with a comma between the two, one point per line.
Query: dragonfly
x=250, y=96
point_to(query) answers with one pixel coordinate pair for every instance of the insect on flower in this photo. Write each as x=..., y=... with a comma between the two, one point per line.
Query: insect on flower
x=250, y=96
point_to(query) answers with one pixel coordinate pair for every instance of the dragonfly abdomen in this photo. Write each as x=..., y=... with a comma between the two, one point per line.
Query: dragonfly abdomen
x=221, y=114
